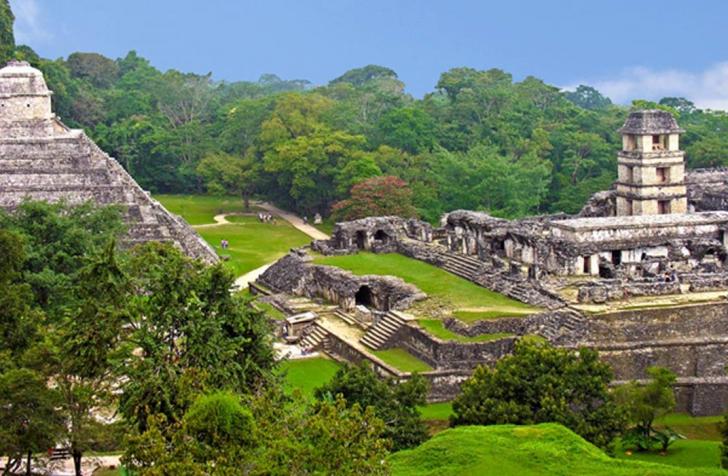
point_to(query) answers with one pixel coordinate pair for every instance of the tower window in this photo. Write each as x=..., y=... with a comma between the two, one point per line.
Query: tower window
x=630, y=174
x=629, y=207
x=663, y=174
x=663, y=207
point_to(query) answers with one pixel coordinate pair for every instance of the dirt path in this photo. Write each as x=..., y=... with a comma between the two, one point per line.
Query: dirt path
x=220, y=219
x=244, y=281
x=294, y=220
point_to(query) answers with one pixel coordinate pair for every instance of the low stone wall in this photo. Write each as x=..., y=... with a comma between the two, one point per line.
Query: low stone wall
x=452, y=355
x=613, y=290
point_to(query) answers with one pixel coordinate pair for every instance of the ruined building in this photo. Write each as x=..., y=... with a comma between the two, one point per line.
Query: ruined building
x=641, y=274
x=42, y=159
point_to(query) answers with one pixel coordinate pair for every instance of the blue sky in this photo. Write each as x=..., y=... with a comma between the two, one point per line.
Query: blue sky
x=628, y=49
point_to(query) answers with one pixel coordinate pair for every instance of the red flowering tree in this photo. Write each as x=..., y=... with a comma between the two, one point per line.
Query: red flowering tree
x=377, y=196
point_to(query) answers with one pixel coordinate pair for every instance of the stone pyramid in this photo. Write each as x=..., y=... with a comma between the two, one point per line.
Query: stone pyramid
x=42, y=159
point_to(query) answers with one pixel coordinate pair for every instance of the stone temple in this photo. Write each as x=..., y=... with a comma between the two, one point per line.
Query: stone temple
x=42, y=159
x=640, y=274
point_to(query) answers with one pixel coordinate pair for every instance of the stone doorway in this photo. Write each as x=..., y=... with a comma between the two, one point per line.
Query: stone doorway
x=364, y=297
x=361, y=238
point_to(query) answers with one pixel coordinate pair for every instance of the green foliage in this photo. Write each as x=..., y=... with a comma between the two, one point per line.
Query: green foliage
x=588, y=98
x=361, y=76
x=539, y=383
x=31, y=423
x=218, y=419
x=190, y=333
x=395, y=403
x=724, y=446
x=283, y=437
x=644, y=403
x=7, y=37
x=507, y=450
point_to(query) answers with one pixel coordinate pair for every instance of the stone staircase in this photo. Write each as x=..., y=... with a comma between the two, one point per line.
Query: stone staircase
x=488, y=276
x=379, y=334
x=316, y=337
x=564, y=322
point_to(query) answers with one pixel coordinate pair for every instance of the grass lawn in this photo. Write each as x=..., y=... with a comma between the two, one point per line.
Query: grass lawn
x=402, y=360
x=509, y=450
x=200, y=209
x=472, y=316
x=253, y=244
x=269, y=310
x=436, y=411
x=308, y=374
x=685, y=453
x=695, y=428
x=436, y=327
x=434, y=281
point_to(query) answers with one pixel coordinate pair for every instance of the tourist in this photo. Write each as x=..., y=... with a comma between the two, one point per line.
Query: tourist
x=305, y=220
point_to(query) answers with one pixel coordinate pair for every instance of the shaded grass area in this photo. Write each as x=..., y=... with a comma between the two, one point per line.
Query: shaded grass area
x=436, y=327
x=269, y=310
x=505, y=450
x=472, y=316
x=307, y=374
x=695, y=428
x=683, y=453
x=402, y=360
x=458, y=292
x=200, y=209
x=253, y=244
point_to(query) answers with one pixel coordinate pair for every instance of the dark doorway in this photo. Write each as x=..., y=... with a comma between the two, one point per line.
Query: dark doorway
x=363, y=297
x=380, y=235
x=587, y=264
x=361, y=237
x=616, y=257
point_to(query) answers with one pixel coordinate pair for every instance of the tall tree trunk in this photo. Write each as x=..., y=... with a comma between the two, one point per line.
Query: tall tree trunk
x=77, y=462
x=27, y=466
x=246, y=200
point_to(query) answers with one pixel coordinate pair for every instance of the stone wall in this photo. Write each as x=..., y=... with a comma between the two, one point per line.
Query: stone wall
x=449, y=354
x=296, y=274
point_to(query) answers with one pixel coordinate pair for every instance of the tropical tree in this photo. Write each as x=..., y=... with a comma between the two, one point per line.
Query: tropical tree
x=31, y=423
x=395, y=403
x=645, y=403
x=189, y=334
x=539, y=383
x=377, y=196
x=230, y=174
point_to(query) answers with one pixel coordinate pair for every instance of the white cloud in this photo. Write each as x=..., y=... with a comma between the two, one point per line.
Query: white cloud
x=29, y=25
x=708, y=89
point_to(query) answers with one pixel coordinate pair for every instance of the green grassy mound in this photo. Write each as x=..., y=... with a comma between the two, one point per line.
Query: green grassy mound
x=434, y=281
x=504, y=450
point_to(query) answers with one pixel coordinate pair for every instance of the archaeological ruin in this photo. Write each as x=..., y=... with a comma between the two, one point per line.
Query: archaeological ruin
x=42, y=159
x=640, y=274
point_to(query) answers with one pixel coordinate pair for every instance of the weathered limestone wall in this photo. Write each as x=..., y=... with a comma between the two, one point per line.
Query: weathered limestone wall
x=452, y=355
x=296, y=274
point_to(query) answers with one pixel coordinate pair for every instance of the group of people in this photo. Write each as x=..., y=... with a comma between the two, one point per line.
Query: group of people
x=266, y=217
x=224, y=244
x=670, y=275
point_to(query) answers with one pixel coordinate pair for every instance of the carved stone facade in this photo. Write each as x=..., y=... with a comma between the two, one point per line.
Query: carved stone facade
x=42, y=159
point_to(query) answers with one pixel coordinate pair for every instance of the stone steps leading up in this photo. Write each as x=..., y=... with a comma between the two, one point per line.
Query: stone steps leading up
x=379, y=334
x=314, y=339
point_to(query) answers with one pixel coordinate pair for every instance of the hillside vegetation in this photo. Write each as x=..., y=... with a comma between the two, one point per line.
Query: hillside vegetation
x=504, y=450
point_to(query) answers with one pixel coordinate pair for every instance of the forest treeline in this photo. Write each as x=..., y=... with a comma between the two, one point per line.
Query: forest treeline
x=479, y=140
